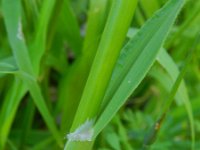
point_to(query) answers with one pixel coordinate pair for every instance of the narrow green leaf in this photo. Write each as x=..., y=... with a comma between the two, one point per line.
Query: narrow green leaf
x=35, y=92
x=136, y=59
x=150, y=138
x=97, y=16
x=9, y=108
x=13, y=22
x=39, y=44
x=194, y=13
x=28, y=118
x=8, y=65
x=68, y=97
x=71, y=31
x=167, y=63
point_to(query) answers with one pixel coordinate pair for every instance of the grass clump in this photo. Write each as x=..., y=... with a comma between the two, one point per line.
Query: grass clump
x=97, y=73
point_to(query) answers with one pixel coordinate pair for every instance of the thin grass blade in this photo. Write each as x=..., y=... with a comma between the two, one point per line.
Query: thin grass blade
x=182, y=95
x=8, y=65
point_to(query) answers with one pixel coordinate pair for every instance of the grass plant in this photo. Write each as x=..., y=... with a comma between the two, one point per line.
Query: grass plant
x=99, y=74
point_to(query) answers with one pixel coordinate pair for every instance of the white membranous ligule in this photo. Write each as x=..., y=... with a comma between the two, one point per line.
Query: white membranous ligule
x=83, y=133
x=20, y=34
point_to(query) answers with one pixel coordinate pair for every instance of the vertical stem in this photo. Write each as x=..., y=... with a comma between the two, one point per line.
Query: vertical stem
x=114, y=34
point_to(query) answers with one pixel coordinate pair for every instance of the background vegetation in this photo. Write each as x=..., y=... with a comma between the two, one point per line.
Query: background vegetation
x=128, y=73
